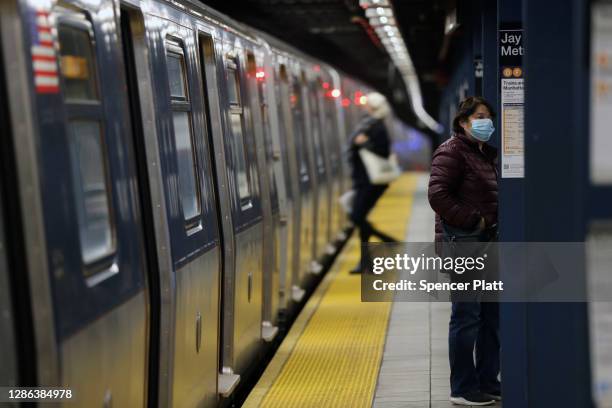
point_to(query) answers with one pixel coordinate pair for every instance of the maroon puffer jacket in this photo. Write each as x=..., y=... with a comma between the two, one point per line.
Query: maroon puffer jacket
x=463, y=184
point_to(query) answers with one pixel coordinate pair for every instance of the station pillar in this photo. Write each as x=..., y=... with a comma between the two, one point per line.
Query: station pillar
x=504, y=22
x=556, y=141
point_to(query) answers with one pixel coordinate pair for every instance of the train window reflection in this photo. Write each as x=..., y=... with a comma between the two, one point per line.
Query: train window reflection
x=76, y=63
x=299, y=140
x=91, y=192
x=186, y=165
x=176, y=75
x=233, y=87
x=298, y=132
x=316, y=131
x=261, y=89
x=239, y=156
x=329, y=133
x=240, y=167
x=189, y=193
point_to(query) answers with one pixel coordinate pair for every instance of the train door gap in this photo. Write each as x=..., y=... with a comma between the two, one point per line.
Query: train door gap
x=132, y=20
x=10, y=211
x=207, y=52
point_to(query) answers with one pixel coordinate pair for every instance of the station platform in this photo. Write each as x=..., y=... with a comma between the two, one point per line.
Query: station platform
x=341, y=352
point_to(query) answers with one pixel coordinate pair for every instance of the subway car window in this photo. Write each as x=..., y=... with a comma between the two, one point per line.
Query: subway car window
x=183, y=133
x=296, y=104
x=233, y=87
x=237, y=129
x=240, y=156
x=176, y=76
x=281, y=76
x=261, y=87
x=77, y=63
x=88, y=159
x=90, y=191
x=316, y=129
x=329, y=133
x=264, y=116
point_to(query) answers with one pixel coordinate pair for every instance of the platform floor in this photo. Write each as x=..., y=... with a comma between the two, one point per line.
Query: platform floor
x=414, y=371
x=341, y=352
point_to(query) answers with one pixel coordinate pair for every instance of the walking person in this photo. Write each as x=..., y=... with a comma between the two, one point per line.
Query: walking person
x=371, y=134
x=463, y=194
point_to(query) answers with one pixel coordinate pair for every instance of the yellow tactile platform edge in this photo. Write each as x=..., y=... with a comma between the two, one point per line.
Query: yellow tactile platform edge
x=332, y=354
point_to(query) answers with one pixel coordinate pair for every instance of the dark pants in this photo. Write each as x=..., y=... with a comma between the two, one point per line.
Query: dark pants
x=366, y=197
x=474, y=325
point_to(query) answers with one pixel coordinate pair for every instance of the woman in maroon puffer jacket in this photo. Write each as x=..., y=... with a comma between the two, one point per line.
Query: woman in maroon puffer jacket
x=463, y=193
x=463, y=181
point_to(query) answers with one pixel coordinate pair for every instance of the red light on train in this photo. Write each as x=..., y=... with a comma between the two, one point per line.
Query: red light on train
x=335, y=93
x=325, y=85
x=260, y=75
x=360, y=98
x=346, y=102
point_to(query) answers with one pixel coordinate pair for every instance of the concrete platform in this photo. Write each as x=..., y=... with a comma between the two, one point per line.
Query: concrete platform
x=344, y=352
x=414, y=372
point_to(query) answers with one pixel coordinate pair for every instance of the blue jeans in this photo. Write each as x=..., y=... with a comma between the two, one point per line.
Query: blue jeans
x=474, y=324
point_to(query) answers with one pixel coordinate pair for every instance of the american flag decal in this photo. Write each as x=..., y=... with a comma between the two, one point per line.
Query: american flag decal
x=44, y=61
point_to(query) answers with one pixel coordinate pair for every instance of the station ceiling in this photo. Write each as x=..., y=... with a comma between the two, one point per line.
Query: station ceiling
x=338, y=32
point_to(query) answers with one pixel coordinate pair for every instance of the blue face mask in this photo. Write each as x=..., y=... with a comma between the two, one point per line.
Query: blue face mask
x=482, y=129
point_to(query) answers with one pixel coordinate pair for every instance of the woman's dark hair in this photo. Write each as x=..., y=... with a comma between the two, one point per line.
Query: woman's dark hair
x=467, y=108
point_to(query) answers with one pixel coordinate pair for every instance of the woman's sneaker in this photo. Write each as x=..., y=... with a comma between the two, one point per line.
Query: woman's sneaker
x=496, y=395
x=472, y=399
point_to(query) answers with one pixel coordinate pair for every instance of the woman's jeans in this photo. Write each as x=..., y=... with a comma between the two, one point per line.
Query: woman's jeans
x=473, y=335
x=474, y=325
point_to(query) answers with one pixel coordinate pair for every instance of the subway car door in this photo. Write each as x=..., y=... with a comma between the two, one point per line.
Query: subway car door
x=271, y=280
x=311, y=131
x=322, y=166
x=269, y=270
x=333, y=157
x=290, y=256
x=348, y=122
x=9, y=373
x=90, y=205
x=305, y=234
x=242, y=280
x=189, y=289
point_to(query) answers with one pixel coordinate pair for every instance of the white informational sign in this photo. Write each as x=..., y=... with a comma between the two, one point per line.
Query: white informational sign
x=512, y=128
x=599, y=256
x=601, y=94
x=599, y=260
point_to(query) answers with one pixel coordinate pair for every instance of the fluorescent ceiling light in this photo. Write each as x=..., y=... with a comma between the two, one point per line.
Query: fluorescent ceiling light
x=383, y=21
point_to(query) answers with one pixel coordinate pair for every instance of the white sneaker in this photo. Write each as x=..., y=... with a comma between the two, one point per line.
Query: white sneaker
x=472, y=399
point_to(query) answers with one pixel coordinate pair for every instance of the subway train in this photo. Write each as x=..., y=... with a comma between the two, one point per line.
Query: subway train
x=169, y=187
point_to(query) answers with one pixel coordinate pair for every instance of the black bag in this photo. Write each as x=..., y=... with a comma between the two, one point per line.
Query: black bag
x=454, y=234
x=459, y=242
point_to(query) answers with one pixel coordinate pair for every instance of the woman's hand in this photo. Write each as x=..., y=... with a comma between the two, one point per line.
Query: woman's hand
x=360, y=139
